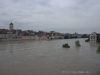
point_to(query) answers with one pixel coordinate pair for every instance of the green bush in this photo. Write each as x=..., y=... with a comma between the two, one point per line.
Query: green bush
x=87, y=40
x=98, y=49
x=66, y=45
x=77, y=43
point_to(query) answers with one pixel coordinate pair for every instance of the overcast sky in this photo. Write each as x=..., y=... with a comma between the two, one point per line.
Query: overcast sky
x=66, y=16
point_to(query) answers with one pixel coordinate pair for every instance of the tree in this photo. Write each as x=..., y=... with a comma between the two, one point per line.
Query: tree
x=66, y=37
x=85, y=36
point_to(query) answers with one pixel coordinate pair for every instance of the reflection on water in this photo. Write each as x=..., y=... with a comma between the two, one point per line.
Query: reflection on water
x=93, y=44
x=49, y=58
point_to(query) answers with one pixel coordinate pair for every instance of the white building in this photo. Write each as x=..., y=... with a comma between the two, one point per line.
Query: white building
x=94, y=37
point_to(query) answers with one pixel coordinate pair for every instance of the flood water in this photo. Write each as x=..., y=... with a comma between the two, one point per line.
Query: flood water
x=49, y=58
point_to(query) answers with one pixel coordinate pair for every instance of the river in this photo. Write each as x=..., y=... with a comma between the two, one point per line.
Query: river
x=49, y=58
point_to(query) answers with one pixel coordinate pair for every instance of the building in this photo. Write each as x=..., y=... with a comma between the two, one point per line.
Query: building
x=28, y=35
x=14, y=34
x=4, y=33
x=43, y=37
x=94, y=37
x=11, y=26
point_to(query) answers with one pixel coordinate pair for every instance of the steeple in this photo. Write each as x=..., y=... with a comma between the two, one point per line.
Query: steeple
x=11, y=23
x=11, y=26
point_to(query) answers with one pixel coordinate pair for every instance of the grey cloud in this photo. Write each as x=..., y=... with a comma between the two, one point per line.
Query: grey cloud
x=43, y=2
x=47, y=15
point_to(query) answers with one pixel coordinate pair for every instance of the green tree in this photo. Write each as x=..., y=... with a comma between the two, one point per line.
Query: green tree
x=66, y=37
x=85, y=36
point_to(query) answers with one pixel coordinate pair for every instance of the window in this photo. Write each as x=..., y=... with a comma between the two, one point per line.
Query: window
x=93, y=37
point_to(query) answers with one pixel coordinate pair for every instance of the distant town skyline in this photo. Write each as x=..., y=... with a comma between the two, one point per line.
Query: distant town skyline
x=65, y=16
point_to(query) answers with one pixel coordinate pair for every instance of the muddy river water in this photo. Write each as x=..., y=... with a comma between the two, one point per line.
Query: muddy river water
x=49, y=58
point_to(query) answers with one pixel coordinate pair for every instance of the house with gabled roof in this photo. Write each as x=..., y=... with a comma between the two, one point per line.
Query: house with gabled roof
x=28, y=35
x=94, y=37
x=3, y=33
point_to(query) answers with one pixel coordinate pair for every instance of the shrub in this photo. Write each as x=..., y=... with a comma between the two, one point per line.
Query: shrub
x=77, y=43
x=98, y=49
x=87, y=40
x=66, y=45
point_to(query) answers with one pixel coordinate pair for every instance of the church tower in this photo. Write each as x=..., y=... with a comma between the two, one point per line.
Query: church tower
x=11, y=26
